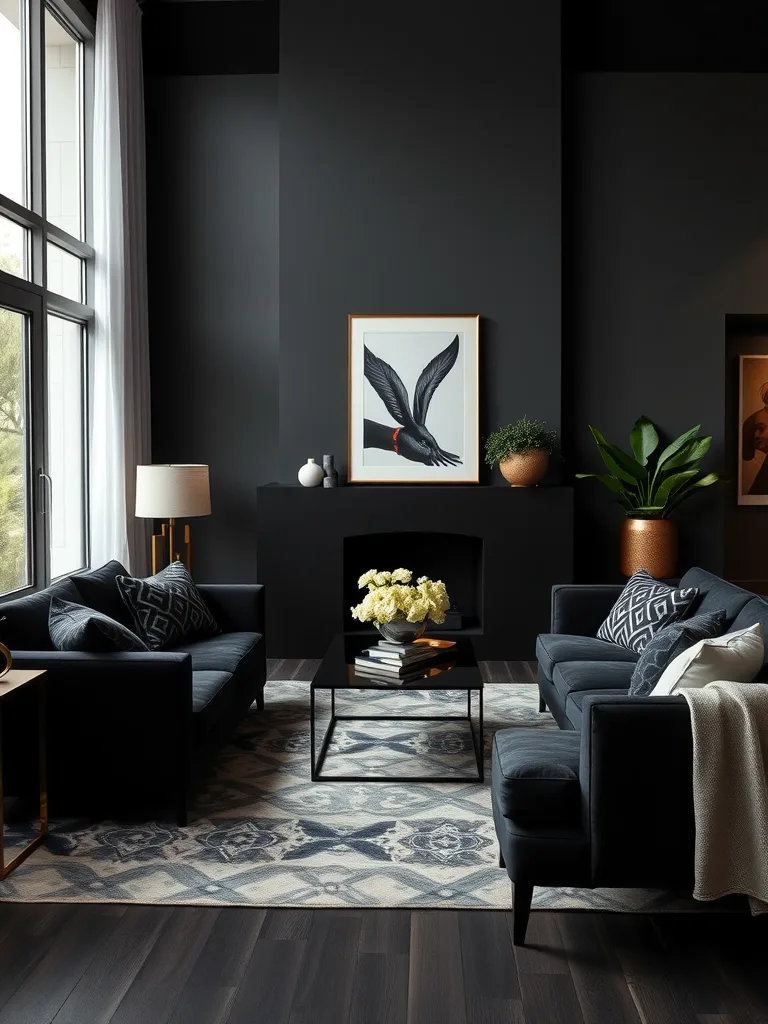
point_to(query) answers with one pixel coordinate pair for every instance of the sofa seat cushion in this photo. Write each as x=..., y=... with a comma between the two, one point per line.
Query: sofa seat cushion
x=574, y=704
x=552, y=648
x=222, y=653
x=211, y=695
x=535, y=774
x=572, y=676
x=24, y=622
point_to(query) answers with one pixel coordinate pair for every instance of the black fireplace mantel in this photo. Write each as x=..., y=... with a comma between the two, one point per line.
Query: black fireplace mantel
x=527, y=546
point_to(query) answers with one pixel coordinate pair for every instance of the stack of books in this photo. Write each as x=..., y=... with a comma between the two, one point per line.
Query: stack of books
x=402, y=663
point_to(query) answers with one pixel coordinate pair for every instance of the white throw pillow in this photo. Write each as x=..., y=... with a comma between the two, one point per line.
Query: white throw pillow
x=737, y=657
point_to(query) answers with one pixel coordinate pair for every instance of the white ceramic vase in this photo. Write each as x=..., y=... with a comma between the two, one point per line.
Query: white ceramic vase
x=310, y=474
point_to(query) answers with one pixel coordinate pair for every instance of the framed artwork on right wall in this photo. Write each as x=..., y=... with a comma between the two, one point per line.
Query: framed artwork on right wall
x=753, y=430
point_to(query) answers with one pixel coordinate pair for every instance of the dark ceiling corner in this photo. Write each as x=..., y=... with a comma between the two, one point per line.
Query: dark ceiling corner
x=665, y=35
x=211, y=37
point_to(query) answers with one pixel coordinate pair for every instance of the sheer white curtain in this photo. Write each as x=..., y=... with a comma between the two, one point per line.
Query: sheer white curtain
x=120, y=413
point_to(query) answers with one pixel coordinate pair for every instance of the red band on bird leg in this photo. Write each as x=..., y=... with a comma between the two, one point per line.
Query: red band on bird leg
x=394, y=440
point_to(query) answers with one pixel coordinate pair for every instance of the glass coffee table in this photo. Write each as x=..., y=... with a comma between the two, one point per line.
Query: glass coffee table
x=454, y=670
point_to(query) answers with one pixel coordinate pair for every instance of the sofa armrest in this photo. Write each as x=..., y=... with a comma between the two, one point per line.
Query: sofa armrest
x=237, y=607
x=636, y=778
x=580, y=608
x=119, y=731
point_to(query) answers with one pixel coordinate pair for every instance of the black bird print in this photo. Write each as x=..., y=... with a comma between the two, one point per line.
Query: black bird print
x=411, y=439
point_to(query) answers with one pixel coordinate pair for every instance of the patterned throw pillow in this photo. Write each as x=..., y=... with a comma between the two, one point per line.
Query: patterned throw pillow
x=644, y=607
x=73, y=627
x=166, y=608
x=670, y=642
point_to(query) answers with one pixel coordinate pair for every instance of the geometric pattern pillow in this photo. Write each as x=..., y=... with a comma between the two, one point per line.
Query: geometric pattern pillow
x=166, y=608
x=670, y=642
x=644, y=607
x=73, y=627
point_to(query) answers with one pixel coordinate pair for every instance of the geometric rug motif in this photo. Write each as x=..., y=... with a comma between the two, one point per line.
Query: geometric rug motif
x=262, y=834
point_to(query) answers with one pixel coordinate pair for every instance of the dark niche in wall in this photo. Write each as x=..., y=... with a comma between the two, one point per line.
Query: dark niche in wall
x=454, y=558
x=746, y=526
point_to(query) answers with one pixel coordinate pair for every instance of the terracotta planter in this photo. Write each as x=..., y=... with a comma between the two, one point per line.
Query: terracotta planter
x=525, y=469
x=649, y=544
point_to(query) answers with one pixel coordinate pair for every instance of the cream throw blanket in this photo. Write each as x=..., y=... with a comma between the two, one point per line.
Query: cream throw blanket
x=730, y=790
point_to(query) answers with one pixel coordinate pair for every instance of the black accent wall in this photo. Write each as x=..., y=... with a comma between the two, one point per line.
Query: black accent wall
x=212, y=165
x=431, y=159
x=670, y=237
x=419, y=173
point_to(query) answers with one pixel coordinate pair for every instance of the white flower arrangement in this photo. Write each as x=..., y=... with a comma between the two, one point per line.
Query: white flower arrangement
x=392, y=596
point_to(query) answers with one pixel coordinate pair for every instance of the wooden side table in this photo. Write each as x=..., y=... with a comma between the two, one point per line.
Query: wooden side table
x=15, y=679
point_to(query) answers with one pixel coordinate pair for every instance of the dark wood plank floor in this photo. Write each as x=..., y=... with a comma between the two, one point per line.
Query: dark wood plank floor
x=96, y=964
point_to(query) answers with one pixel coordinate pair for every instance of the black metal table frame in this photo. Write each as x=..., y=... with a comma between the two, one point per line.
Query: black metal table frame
x=316, y=764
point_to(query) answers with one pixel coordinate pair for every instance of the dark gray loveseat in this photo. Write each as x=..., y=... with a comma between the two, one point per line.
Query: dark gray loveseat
x=129, y=734
x=608, y=801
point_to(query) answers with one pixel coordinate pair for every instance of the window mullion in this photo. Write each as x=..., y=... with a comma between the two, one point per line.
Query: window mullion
x=37, y=137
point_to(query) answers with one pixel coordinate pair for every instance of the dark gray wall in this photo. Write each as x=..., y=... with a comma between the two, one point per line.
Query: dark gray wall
x=419, y=172
x=669, y=210
x=212, y=168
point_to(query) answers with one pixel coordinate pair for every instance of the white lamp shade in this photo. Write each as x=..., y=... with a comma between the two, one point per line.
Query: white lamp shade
x=172, y=492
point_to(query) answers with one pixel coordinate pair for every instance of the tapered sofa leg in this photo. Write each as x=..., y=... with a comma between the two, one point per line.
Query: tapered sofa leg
x=523, y=894
x=260, y=700
x=542, y=704
x=501, y=859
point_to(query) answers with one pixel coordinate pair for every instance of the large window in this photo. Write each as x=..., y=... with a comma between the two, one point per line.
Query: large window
x=46, y=59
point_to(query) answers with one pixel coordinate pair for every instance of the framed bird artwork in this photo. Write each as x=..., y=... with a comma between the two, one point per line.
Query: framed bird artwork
x=413, y=399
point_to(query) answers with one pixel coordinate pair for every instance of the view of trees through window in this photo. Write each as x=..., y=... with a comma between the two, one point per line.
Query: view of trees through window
x=46, y=106
x=13, y=500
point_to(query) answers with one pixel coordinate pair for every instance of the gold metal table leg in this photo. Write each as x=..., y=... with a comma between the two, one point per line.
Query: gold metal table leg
x=6, y=869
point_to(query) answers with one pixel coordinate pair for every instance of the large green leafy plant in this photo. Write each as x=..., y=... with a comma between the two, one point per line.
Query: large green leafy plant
x=650, y=485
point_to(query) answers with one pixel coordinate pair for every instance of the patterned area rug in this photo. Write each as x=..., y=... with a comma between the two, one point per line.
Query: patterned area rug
x=263, y=834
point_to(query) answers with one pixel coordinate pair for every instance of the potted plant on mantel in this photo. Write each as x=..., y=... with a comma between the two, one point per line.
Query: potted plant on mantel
x=649, y=487
x=522, y=450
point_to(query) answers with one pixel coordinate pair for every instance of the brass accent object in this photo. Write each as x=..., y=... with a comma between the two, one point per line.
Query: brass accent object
x=649, y=544
x=525, y=469
x=163, y=544
x=13, y=681
x=6, y=654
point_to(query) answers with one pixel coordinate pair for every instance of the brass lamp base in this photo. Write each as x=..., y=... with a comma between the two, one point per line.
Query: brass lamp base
x=163, y=547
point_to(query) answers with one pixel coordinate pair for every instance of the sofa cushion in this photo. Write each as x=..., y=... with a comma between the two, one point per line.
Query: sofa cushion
x=754, y=611
x=552, y=648
x=74, y=627
x=670, y=642
x=167, y=607
x=574, y=705
x=222, y=653
x=591, y=675
x=535, y=774
x=737, y=657
x=98, y=589
x=210, y=698
x=714, y=594
x=24, y=622
x=645, y=606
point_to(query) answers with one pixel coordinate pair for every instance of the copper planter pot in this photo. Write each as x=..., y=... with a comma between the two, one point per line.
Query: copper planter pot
x=649, y=544
x=525, y=469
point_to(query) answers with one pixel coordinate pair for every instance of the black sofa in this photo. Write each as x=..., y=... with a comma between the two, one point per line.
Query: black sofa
x=130, y=734
x=607, y=801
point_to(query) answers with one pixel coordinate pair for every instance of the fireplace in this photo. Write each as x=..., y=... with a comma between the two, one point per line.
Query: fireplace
x=498, y=550
x=454, y=558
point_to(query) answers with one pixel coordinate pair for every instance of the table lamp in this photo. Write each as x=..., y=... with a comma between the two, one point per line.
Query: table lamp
x=172, y=492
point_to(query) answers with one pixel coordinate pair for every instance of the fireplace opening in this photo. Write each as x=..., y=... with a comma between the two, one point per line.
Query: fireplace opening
x=456, y=559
